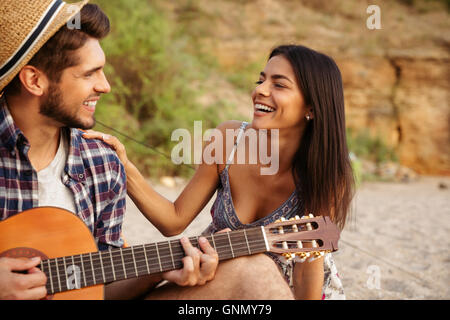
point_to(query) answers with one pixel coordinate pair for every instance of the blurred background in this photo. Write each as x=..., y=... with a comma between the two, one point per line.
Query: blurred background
x=173, y=62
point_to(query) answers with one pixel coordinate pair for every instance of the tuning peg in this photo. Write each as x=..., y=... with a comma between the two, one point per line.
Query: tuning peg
x=302, y=255
x=297, y=217
x=289, y=256
x=311, y=215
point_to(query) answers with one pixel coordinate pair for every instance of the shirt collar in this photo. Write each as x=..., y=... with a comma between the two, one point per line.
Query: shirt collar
x=75, y=165
x=10, y=134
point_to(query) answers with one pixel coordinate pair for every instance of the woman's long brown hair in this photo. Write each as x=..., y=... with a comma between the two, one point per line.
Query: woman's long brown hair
x=321, y=166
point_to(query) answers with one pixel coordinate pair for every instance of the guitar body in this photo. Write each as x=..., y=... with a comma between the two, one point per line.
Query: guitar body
x=76, y=270
x=49, y=233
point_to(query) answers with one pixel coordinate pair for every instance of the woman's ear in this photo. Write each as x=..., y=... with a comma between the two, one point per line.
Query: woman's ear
x=309, y=114
x=33, y=80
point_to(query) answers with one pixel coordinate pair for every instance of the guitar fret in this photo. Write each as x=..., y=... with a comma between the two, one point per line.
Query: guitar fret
x=123, y=264
x=139, y=260
x=57, y=274
x=50, y=275
x=112, y=265
x=265, y=239
x=42, y=266
x=92, y=268
x=159, y=258
x=246, y=241
x=152, y=256
x=214, y=242
x=171, y=255
x=239, y=240
x=101, y=266
x=231, y=246
x=134, y=261
x=65, y=273
x=146, y=259
x=178, y=252
x=77, y=281
x=82, y=268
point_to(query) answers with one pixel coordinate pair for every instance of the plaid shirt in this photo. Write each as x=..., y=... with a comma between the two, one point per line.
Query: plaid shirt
x=92, y=172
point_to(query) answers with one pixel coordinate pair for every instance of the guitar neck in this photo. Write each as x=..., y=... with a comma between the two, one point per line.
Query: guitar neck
x=87, y=269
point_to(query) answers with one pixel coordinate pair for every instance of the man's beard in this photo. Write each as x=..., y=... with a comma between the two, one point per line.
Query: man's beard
x=54, y=108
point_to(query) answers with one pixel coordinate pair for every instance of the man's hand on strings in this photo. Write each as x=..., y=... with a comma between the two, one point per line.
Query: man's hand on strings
x=199, y=266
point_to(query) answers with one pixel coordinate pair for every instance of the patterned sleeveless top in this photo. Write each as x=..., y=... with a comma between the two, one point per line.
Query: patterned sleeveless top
x=224, y=216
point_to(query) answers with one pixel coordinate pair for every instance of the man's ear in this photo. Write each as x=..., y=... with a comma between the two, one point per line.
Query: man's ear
x=33, y=80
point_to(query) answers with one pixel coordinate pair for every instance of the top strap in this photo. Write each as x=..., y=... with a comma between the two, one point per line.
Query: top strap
x=241, y=132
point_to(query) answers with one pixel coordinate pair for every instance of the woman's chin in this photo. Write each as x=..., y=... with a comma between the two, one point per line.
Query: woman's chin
x=262, y=124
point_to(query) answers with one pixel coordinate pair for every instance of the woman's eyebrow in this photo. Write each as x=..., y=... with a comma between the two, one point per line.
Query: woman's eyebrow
x=276, y=76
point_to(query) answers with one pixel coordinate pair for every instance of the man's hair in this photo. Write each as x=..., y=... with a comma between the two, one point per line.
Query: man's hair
x=57, y=53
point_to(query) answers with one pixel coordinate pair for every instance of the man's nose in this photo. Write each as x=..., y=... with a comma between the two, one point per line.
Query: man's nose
x=103, y=84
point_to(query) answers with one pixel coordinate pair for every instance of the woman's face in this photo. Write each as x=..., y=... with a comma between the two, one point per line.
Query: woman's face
x=277, y=100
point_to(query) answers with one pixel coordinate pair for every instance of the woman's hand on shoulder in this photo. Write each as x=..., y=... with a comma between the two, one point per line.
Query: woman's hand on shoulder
x=111, y=140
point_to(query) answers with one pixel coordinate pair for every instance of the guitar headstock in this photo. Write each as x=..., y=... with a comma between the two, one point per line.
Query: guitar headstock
x=305, y=237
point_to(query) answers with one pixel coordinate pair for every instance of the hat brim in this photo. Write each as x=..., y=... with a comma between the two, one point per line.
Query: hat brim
x=67, y=12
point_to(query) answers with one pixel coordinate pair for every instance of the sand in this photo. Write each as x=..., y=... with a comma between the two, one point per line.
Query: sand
x=395, y=246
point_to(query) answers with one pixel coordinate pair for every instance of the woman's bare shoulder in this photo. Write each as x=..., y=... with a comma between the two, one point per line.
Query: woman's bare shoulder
x=229, y=124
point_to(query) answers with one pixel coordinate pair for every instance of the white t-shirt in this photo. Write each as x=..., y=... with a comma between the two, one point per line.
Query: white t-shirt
x=52, y=192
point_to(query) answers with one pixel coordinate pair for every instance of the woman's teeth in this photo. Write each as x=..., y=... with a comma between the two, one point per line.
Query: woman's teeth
x=261, y=107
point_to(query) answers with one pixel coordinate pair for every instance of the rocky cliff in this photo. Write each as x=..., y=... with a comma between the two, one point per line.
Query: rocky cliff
x=396, y=79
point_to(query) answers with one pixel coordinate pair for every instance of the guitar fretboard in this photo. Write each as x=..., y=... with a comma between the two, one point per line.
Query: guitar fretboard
x=87, y=269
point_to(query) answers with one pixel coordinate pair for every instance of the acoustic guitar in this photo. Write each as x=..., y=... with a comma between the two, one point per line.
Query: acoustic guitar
x=77, y=270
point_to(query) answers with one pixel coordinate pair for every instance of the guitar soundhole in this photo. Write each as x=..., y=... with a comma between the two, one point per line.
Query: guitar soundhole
x=25, y=252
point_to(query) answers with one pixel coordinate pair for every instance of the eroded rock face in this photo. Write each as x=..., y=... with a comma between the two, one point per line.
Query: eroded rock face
x=405, y=100
x=396, y=79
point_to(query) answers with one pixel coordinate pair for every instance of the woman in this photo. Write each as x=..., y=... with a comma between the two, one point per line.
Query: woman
x=299, y=93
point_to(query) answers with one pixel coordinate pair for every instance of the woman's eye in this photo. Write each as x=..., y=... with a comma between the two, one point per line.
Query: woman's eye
x=279, y=85
x=259, y=82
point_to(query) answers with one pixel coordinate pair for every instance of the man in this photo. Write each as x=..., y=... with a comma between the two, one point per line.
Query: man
x=51, y=78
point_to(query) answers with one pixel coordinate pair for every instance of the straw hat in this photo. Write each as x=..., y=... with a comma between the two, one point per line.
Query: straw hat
x=25, y=26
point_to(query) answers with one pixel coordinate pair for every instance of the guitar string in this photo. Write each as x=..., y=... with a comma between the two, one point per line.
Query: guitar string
x=162, y=246
x=116, y=255
x=167, y=264
x=91, y=275
x=139, y=270
x=95, y=259
x=167, y=245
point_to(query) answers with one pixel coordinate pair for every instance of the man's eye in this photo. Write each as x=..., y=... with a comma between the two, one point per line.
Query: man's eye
x=259, y=82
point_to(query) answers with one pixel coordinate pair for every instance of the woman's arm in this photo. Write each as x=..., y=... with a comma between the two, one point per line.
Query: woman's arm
x=308, y=280
x=171, y=218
